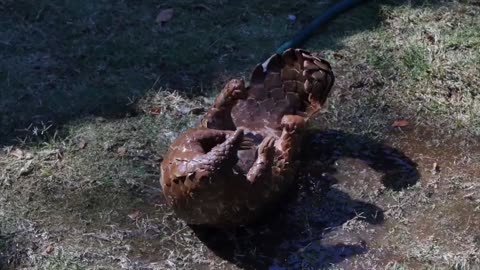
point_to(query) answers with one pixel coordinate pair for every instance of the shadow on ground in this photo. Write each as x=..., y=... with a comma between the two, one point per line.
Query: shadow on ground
x=303, y=233
x=61, y=61
x=8, y=251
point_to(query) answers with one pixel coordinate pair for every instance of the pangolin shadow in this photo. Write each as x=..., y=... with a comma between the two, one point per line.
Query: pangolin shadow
x=291, y=235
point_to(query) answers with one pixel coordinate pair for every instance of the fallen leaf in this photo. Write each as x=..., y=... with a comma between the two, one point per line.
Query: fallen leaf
x=338, y=55
x=469, y=196
x=48, y=250
x=27, y=168
x=135, y=215
x=164, y=16
x=400, y=123
x=18, y=153
x=155, y=110
x=81, y=144
x=430, y=37
x=122, y=151
x=435, y=168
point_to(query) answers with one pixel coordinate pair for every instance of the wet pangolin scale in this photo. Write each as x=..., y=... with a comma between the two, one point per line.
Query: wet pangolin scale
x=242, y=157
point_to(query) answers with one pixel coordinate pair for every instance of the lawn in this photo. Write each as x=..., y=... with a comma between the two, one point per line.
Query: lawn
x=93, y=92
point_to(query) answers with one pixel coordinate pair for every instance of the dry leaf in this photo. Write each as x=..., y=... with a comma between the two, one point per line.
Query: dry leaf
x=155, y=110
x=27, y=168
x=400, y=123
x=135, y=215
x=81, y=144
x=18, y=153
x=469, y=196
x=435, y=168
x=164, y=16
x=338, y=55
x=48, y=250
x=122, y=150
x=430, y=37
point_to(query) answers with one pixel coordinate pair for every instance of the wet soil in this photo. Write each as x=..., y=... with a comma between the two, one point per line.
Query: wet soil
x=360, y=204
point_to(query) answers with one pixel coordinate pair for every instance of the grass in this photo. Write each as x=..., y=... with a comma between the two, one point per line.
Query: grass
x=414, y=60
x=439, y=76
x=84, y=58
x=59, y=261
x=92, y=93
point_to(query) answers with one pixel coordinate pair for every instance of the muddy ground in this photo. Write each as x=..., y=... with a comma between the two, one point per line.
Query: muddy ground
x=391, y=171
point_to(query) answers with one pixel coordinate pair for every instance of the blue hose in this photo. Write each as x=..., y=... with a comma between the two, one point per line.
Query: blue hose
x=331, y=13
